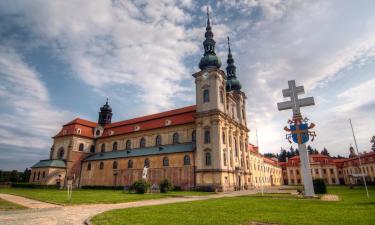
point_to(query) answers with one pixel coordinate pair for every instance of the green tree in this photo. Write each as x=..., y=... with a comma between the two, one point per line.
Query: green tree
x=14, y=176
x=325, y=152
x=373, y=143
x=310, y=150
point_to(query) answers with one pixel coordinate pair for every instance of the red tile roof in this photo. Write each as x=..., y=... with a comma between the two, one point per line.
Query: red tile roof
x=173, y=117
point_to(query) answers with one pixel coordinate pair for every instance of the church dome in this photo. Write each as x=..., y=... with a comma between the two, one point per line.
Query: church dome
x=209, y=61
x=106, y=107
x=233, y=85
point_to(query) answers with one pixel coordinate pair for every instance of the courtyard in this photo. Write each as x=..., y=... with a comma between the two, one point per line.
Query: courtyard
x=235, y=208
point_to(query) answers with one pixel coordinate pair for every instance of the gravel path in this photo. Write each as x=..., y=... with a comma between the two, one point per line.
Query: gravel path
x=76, y=215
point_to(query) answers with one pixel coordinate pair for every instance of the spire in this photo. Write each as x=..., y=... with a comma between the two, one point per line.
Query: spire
x=231, y=68
x=232, y=82
x=209, y=59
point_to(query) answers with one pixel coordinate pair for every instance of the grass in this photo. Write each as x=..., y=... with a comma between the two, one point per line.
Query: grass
x=5, y=205
x=86, y=196
x=353, y=208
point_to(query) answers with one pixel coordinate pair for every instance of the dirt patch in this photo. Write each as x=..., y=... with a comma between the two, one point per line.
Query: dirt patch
x=330, y=198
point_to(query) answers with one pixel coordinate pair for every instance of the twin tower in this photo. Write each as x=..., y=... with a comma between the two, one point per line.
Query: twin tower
x=221, y=122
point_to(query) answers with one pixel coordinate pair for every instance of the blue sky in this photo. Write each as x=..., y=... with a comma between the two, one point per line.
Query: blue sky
x=61, y=59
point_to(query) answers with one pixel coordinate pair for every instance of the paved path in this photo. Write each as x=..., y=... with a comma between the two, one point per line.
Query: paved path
x=29, y=203
x=76, y=215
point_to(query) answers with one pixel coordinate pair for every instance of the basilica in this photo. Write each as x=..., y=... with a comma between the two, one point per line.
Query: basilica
x=205, y=145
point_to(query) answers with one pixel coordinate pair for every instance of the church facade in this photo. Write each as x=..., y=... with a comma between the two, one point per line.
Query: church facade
x=205, y=145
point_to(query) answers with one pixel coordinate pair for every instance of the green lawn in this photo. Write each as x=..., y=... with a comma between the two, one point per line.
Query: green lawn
x=86, y=196
x=5, y=205
x=354, y=209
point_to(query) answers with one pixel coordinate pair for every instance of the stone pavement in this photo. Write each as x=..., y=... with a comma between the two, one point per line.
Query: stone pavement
x=76, y=215
x=29, y=203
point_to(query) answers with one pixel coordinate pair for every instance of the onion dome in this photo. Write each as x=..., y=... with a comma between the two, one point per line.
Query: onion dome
x=232, y=83
x=209, y=59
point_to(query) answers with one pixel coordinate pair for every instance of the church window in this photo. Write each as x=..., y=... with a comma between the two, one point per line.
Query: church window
x=186, y=160
x=208, y=158
x=38, y=175
x=130, y=164
x=223, y=137
x=128, y=145
x=34, y=176
x=92, y=148
x=243, y=113
x=235, y=148
x=231, y=158
x=222, y=96
x=147, y=163
x=158, y=140
x=176, y=138
x=193, y=136
x=142, y=142
x=247, y=162
x=61, y=153
x=89, y=166
x=206, y=95
x=165, y=161
x=225, y=157
x=207, y=136
x=80, y=148
x=114, y=147
x=44, y=174
x=115, y=165
x=97, y=132
x=101, y=165
x=102, y=148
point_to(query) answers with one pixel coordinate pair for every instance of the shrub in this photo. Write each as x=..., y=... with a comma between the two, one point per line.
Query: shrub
x=319, y=186
x=140, y=186
x=33, y=186
x=177, y=188
x=165, y=186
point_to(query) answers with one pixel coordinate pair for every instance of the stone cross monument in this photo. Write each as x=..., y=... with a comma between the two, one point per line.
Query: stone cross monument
x=299, y=130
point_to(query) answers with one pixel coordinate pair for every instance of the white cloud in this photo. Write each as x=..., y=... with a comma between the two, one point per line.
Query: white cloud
x=28, y=119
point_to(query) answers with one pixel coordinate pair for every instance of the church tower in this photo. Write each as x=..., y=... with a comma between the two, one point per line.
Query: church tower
x=105, y=114
x=210, y=100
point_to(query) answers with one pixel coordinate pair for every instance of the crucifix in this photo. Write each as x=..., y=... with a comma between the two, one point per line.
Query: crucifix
x=299, y=130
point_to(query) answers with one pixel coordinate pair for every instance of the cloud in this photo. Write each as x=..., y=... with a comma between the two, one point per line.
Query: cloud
x=28, y=118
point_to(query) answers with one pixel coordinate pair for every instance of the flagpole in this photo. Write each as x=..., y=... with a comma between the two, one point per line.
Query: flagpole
x=359, y=159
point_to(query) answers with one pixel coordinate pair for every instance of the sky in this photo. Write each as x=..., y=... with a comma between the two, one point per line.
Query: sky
x=60, y=60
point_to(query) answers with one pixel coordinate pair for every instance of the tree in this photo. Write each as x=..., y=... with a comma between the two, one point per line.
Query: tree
x=297, y=152
x=373, y=143
x=14, y=176
x=316, y=151
x=325, y=152
x=269, y=155
x=282, y=156
x=310, y=150
x=25, y=177
x=292, y=152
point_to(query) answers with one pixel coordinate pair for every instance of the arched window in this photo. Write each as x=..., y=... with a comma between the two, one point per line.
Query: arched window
x=194, y=136
x=60, y=153
x=34, y=174
x=38, y=175
x=89, y=166
x=92, y=148
x=186, y=160
x=128, y=145
x=114, y=147
x=225, y=157
x=80, y=148
x=208, y=158
x=165, y=161
x=44, y=174
x=158, y=140
x=207, y=136
x=223, y=137
x=114, y=165
x=142, y=142
x=206, y=95
x=130, y=164
x=101, y=165
x=102, y=148
x=176, y=138
x=222, y=96
x=147, y=163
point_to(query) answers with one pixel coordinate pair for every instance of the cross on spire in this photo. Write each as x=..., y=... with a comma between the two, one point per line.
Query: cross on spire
x=295, y=103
